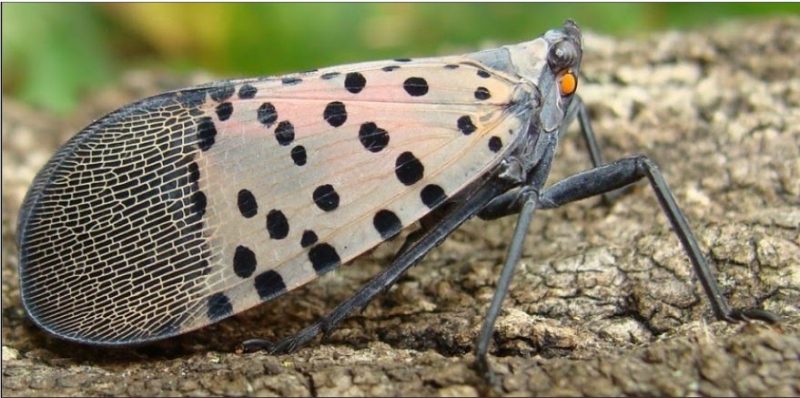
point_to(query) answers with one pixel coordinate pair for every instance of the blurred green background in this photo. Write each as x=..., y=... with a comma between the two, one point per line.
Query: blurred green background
x=53, y=54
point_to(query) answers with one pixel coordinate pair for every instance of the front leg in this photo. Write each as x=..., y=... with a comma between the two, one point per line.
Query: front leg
x=577, y=109
x=625, y=172
x=529, y=198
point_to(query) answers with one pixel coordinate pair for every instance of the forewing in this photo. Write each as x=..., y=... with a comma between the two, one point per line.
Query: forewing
x=192, y=206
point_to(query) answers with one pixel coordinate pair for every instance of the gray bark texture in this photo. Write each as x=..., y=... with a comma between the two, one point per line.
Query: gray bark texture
x=604, y=302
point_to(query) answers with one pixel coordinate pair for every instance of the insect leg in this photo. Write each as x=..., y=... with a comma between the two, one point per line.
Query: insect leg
x=578, y=109
x=512, y=259
x=460, y=212
x=527, y=197
x=626, y=171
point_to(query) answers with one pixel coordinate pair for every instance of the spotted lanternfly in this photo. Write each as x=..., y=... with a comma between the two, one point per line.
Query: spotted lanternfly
x=191, y=206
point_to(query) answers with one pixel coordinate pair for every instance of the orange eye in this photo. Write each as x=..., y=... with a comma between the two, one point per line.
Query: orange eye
x=568, y=83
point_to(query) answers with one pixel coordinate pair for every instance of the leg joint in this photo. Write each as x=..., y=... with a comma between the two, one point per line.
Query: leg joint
x=643, y=162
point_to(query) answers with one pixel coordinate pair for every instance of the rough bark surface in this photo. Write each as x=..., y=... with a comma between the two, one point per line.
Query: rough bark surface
x=605, y=302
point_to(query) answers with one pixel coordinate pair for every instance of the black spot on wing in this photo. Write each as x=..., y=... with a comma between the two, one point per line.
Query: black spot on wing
x=408, y=168
x=387, y=223
x=206, y=133
x=416, y=86
x=323, y=258
x=219, y=306
x=372, y=137
x=284, y=133
x=199, y=203
x=432, y=195
x=290, y=81
x=247, y=91
x=354, y=82
x=495, y=144
x=192, y=98
x=277, y=224
x=244, y=262
x=247, y=203
x=482, y=93
x=221, y=93
x=329, y=75
x=267, y=114
x=390, y=68
x=465, y=125
x=269, y=284
x=326, y=197
x=194, y=172
x=309, y=238
x=298, y=154
x=335, y=113
x=224, y=111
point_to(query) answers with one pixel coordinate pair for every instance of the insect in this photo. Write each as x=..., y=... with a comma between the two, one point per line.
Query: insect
x=185, y=208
